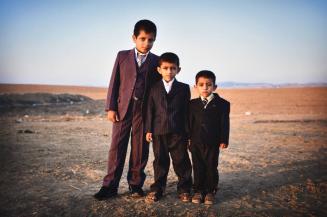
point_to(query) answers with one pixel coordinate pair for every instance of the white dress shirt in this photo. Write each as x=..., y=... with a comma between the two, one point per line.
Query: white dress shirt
x=168, y=85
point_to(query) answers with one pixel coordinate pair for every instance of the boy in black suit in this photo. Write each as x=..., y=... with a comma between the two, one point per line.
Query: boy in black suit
x=166, y=126
x=208, y=131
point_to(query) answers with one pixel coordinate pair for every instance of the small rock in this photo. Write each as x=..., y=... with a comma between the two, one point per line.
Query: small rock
x=248, y=113
x=19, y=120
x=26, y=131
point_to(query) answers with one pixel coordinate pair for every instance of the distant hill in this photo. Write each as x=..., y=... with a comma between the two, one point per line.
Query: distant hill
x=232, y=84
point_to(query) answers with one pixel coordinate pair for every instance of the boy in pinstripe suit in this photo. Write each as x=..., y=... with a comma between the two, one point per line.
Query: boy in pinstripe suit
x=166, y=127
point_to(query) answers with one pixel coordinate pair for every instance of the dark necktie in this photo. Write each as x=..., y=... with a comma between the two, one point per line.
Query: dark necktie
x=205, y=102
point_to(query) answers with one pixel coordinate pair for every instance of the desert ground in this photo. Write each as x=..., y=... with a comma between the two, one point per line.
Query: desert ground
x=53, y=155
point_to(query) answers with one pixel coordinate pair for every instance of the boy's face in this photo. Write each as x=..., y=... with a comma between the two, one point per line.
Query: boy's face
x=205, y=86
x=144, y=41
x=168, y=70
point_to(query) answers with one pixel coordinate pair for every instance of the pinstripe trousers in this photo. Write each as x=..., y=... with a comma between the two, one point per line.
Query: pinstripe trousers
x=132, y=125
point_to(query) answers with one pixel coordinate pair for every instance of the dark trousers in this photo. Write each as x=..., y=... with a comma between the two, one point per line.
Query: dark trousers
x=176, y=145
x=138, y=158
x=205, y=168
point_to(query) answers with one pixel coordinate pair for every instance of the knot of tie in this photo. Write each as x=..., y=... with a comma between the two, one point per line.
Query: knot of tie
x=205, y=102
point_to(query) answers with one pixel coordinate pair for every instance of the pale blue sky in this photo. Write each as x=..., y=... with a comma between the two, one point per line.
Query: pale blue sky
x=76, y=42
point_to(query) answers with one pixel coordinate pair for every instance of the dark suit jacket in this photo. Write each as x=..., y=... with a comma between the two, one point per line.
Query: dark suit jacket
x=209, y=126
x=167, y=113
x=123, y=80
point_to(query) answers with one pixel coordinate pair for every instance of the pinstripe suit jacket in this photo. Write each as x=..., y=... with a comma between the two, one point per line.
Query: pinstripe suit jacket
x=168, y=113
x=123, y=78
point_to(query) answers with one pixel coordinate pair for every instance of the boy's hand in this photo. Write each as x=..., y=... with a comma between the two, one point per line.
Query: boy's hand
x=222, y=146
x=148, y=137
x=112, y=116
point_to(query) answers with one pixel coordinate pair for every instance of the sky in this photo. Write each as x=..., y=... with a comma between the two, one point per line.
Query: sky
x=75, y=42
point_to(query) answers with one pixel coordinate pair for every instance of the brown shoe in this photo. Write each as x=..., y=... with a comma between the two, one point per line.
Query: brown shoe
x=185, y=197
x=209, y=199
x=153, y=197
x=197, y=198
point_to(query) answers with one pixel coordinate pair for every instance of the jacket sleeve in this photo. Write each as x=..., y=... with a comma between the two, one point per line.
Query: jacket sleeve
x=224, y=135
x=190, y=121
x=186, y=111
x=113, y=90
x=149, y=113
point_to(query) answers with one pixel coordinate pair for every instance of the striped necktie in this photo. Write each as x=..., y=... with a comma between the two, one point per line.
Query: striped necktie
x=140, y=59
x=204, y=102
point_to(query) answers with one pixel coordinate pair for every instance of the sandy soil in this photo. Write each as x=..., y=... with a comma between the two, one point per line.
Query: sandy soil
x=53, y=158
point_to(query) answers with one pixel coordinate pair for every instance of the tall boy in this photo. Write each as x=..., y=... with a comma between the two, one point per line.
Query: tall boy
x=134, y=71
x=165, y=126
x=209, y=131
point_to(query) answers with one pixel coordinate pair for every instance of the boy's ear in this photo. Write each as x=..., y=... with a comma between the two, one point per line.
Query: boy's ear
x=158, y=69
x=215, y=87
x=194, y=85
x=178, y=70
x=134, y=38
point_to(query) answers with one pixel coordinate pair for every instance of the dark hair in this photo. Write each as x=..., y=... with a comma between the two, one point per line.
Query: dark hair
x=205, y=74
x=169, y=57
x=145, y=25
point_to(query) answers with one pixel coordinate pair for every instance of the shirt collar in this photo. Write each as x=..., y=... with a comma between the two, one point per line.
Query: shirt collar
x=168, y=83
x=209, y=98
x=137, y=52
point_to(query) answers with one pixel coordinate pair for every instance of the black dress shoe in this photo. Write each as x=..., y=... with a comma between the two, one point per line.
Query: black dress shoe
x=105, y=193
x=136, y=192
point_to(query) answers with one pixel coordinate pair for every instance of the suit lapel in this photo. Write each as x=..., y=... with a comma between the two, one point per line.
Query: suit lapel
x=214, y=101
x=148, y=66
x=174, y=88
x=162, y=88
x=131, y=63
x=199, y=103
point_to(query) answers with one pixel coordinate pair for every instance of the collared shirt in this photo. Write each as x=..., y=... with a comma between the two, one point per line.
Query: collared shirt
x=168, y=85
x=138, y=53
x=209, y=98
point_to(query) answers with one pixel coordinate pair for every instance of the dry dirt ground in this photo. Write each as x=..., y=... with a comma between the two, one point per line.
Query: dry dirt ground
x=53, y=158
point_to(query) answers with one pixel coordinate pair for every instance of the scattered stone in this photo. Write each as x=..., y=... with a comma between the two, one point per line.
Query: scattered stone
x=26, y=131
x=19, y=120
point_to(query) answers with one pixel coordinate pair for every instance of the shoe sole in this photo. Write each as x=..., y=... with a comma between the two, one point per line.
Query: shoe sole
x=208, y=202
x=136, y=196
x=185, y=201
x=104, y=198
x=196, y=201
